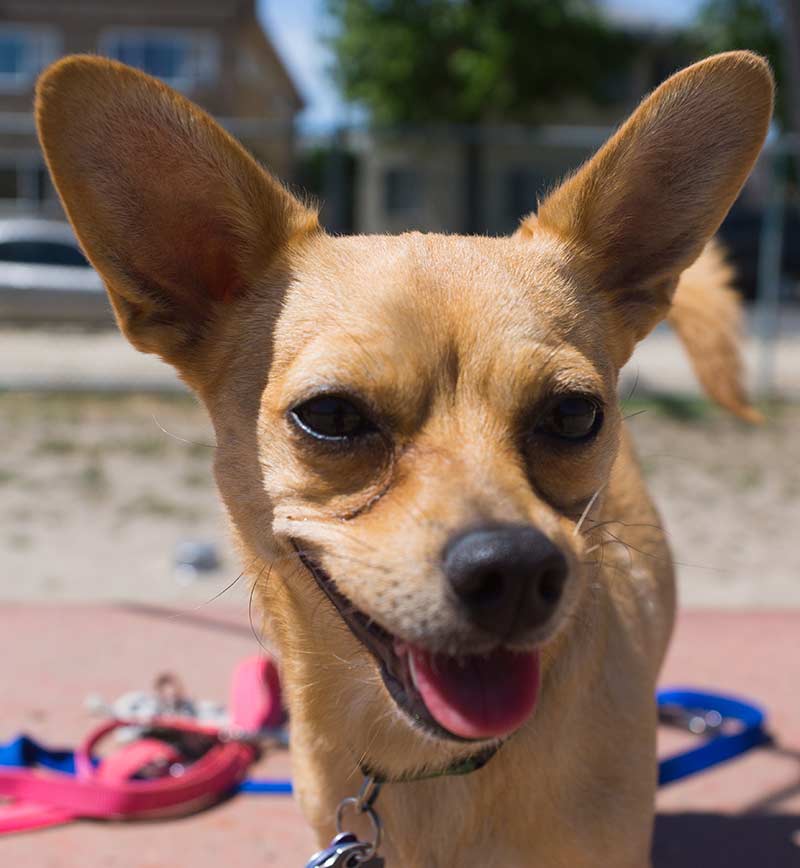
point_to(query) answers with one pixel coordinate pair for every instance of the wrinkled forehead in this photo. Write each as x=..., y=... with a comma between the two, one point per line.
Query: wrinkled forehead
x=415, y=306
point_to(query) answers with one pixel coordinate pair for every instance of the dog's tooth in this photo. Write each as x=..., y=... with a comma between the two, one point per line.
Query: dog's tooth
x=413, y=671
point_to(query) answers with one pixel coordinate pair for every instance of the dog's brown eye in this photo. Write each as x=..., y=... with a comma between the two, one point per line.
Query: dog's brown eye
x=331, y=418
x=572, y=418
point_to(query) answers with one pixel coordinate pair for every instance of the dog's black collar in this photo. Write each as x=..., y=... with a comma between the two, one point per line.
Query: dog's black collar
x=460, y=767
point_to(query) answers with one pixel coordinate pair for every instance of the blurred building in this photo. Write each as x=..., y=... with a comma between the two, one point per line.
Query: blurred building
x=213, y=51
x=484, y=179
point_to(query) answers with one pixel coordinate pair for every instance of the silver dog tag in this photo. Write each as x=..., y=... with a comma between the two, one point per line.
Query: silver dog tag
x=345, y=851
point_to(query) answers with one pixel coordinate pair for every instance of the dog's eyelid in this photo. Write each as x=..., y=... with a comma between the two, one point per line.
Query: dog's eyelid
x=332, y=390
x=561, y=392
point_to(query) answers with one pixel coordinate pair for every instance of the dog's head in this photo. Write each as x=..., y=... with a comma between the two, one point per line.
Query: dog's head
x=410, y=428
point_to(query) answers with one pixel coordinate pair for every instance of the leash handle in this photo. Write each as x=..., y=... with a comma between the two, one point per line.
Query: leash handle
x=207, y=779
x=47, y=799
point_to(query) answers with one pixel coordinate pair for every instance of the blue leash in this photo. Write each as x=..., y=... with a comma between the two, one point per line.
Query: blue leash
x=24, y=752
x=720, y=748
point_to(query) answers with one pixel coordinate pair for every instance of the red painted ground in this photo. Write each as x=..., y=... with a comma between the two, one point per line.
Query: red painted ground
x=744, y=814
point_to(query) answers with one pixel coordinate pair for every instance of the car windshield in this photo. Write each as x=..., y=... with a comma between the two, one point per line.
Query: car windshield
x=36, y=252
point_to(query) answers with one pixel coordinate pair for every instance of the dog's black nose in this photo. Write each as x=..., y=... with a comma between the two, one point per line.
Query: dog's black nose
x=508, y=578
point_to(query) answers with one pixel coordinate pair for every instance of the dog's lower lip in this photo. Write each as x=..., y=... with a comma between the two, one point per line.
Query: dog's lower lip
x=448, y=706
x=380, y=643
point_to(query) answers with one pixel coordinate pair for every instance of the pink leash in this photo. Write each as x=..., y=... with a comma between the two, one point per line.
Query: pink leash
x=110, y=791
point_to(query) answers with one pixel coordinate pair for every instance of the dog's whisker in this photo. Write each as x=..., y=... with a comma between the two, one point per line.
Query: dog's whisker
x=633, y=387
x=225, y=590
x=660, y=559
x=587, y=510
x=250, y=609
x=634, y=415
x=182, y=439
x=597, y=525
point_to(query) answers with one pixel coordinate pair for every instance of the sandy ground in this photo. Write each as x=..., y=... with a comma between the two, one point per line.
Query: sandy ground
x=743, y=814
x=95, y=497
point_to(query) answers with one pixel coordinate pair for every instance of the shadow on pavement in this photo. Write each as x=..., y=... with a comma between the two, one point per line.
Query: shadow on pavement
x=743, y=841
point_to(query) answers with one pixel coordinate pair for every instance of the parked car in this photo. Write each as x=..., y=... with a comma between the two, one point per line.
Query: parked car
x=44, y=275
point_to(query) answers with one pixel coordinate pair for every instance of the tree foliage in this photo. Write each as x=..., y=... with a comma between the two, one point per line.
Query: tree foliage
x=412, y=61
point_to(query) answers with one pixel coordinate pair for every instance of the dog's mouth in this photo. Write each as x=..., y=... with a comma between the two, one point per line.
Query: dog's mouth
x=466, y=698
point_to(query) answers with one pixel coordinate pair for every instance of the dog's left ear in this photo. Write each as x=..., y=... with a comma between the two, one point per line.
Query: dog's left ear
x=641, y=210
x=178, y=219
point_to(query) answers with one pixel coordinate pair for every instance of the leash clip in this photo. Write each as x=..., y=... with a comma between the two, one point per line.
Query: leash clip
x=346, y=851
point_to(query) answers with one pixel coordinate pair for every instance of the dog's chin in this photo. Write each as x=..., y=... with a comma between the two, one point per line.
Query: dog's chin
x=466, y=698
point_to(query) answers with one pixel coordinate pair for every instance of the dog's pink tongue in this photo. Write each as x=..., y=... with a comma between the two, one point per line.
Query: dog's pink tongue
x=477, y=697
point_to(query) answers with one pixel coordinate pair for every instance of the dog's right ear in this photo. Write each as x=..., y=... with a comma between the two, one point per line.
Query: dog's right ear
x=178, y=219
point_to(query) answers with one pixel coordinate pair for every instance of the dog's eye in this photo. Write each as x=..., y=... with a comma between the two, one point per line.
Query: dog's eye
x=572, y=418
x=331, y=418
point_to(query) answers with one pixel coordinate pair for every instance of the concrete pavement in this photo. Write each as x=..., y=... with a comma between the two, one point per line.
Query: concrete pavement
x=743, y=814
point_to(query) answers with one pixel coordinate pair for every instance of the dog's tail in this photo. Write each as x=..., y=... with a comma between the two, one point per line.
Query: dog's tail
x=706, y=314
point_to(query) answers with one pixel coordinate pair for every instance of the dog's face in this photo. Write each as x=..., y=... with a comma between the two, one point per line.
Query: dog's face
x=416, y=425
x=438, y=415
x=428, y=445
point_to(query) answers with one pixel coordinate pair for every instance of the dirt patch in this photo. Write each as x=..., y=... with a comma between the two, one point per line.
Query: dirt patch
x=729, y=495
x=95, y=497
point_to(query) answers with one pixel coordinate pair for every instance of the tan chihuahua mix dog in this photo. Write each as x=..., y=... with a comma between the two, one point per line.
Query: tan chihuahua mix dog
x=421, y=449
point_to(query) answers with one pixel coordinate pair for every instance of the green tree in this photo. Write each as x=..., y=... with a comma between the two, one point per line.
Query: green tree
x=468, y=61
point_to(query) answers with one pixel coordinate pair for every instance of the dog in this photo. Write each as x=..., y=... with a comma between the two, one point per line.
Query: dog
x=421, y=449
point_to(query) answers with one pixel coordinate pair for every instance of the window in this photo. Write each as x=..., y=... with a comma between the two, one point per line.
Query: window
x=24, y=52
x=181, y=58
x=24, y=181
x=402, y=190
x=9, y=182
x=42, y=253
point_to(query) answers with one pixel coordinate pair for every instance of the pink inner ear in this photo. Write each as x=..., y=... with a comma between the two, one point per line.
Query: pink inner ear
x=229, y=292
x=220, y=270
x=209, y=260
x=222, y=278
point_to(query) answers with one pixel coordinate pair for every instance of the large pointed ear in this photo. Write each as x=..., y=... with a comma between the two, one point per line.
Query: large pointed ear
x=178, y=219
x=641, y=210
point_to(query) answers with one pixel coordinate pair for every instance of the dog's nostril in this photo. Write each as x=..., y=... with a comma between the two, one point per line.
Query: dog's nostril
x=550, y=586
x=489, y=588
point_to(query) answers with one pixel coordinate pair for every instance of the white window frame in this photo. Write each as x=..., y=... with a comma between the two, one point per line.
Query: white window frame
x=43, y=46
x=203, y=47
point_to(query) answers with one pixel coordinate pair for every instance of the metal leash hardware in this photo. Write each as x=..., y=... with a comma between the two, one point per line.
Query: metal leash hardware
x=346, y=851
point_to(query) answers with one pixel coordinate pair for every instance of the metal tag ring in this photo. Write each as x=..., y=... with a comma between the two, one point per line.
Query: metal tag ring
x=377, y=829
